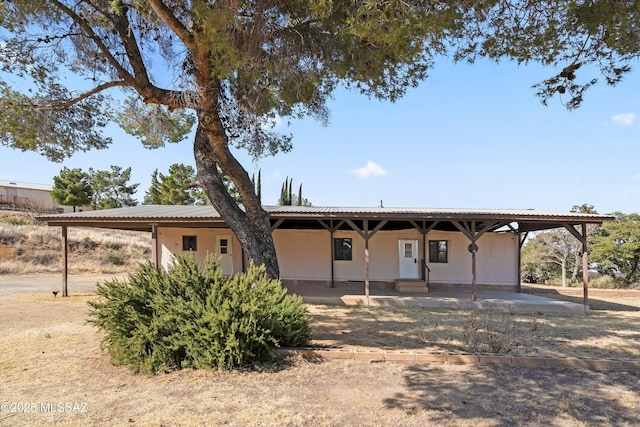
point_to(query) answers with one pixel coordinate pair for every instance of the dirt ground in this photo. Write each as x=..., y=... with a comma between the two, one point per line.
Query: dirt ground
x=53, y=372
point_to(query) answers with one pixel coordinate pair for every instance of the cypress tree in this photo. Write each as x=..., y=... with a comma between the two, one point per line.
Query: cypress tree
x=259, y=191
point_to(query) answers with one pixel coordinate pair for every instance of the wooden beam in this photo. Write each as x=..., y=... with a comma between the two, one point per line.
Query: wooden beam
x=277, y=224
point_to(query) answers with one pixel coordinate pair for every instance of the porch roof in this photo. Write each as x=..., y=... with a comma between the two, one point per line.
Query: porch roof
x=141, y=218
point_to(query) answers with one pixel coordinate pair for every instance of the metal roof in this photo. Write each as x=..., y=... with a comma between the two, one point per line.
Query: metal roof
x=143, y=216
x=25, y=185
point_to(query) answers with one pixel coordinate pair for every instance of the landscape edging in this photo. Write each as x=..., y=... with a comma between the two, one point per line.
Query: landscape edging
x=601, y=364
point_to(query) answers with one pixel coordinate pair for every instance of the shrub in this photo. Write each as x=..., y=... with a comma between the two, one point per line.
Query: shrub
x=17, y=220
x=484, y=332
x=157, y=321
x=608, y=282
x=115, y=258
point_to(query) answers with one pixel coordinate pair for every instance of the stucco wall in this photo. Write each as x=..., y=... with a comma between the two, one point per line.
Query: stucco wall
x=306, y=255
x=170, y=244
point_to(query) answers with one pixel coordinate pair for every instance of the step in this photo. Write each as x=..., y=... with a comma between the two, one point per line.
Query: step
x=411, y=286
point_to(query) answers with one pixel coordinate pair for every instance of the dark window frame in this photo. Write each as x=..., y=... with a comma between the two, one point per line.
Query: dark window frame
x=189, y=243
x=342, y=252
x=439, y=251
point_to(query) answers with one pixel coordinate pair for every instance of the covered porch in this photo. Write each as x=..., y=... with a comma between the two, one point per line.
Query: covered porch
x=369, y=232
x=438, y=299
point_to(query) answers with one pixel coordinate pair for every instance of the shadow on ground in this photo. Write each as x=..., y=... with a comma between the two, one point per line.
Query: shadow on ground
x=517, y=396
x=595, y=303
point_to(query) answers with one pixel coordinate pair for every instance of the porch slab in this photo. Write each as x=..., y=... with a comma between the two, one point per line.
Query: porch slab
x=441, y=299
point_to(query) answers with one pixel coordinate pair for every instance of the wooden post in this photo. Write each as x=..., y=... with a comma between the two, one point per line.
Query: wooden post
x=333, y=256
x=521, y=240
x=154, y=243
x=473, y=249
x=366, y=268
x=65, y=261
x=474, y=284
x=585, y=268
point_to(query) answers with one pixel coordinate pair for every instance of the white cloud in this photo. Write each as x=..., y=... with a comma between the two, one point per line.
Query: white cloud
x=623, y=120
x=371, y=169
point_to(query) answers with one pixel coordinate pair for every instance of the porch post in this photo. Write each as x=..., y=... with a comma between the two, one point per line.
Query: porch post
x=582, y=237
x=473, y=249
x=521, y=240
x=333, y=256
x=585, y=268
x=366, y=268
x=65, y=261
x=154, y=244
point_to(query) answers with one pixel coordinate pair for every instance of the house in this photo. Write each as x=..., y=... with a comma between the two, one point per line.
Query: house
x=402, y=248
x=27, y=196
x=30, y=196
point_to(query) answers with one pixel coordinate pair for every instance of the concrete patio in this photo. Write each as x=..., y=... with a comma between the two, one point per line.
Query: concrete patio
x=443, y=299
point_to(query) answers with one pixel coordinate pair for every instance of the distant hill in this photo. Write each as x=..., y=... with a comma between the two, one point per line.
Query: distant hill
x=27, y=246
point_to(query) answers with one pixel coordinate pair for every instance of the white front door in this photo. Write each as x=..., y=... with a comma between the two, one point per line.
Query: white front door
x=225, y=251
x=408, y=256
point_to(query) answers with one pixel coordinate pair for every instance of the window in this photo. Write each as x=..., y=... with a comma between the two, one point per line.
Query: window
x=342, y=249
x=189, y=243
x=224, y=246
x=408, y=250
x=438, y=251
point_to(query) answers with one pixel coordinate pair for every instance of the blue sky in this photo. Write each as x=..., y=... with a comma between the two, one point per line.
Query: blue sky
x=471, y=136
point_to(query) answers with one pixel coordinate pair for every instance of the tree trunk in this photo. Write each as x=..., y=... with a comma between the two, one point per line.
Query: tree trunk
x=577, y=261
x=563, y=265
x=634, y=268
x=251, y=226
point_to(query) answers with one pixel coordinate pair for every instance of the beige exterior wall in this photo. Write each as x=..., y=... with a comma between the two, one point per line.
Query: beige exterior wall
x=306, y=255
x=496, y=262
x=170, y=244
x=25, y=197
x=39, y=200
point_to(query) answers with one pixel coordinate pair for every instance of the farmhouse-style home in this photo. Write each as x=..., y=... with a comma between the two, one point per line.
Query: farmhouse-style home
x=408, y=249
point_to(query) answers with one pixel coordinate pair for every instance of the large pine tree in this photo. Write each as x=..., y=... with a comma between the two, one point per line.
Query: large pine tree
x=229, y=68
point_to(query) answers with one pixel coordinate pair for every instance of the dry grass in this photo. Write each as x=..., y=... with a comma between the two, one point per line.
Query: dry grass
x=28, y=247
x=609, y=334
x=50, y=354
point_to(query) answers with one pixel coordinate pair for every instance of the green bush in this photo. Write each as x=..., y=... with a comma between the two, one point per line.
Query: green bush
x=188, y=317
x=608, y=282
x=115, y=258
x=16, y=220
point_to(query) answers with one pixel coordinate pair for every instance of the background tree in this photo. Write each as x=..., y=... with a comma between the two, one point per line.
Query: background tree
x=258, y=185
x=285, y=193
x=287, y=198
x=237, y=65
x=615, y=247
x=175, y=187
x=72, y=188
x=111, y=189
x=555, y=253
